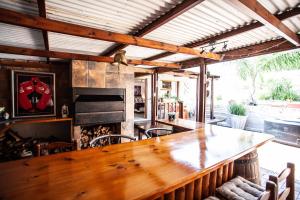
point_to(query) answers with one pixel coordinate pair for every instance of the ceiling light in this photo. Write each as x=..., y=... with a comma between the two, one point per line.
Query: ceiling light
x=202, y=51
x=212, y=49
x=224, y=47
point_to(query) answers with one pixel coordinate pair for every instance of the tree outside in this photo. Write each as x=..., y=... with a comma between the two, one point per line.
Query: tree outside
x=254, y=70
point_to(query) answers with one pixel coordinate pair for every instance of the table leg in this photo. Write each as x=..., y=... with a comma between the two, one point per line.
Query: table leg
x=248, y=167
x=140, y=135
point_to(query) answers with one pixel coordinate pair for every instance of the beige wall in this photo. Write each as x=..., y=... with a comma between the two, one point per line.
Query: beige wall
x=106, y=75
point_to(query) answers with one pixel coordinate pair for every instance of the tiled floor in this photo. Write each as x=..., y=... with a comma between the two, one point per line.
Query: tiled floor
x=273, y=158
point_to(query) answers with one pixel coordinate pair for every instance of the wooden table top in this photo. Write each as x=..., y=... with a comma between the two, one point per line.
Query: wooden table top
x=182, y=123
x=147, y=124
x=135, y=170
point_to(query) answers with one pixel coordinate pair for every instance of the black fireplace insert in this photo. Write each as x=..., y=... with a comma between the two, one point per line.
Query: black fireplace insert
x=99, y=105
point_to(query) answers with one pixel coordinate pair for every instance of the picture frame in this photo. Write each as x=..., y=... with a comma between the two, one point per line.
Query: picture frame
x=33, y=94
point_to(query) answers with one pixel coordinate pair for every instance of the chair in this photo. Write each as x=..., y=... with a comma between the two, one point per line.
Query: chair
x=289, y=176
x=156, y=132
x=104, y=140
x=240, y=188
x=54, y=147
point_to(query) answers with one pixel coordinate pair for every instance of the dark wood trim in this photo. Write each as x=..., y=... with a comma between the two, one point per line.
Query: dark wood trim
x=19, y=19
x=29, y=64
x=173, y=13
x=42, y=13
x=285, y=15
x=257, y=11
x=268, y=47
x=75, y=56
x=154, y=99
x=201, y=93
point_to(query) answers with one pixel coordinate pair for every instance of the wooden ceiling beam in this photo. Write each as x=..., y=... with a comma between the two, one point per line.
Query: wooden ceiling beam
x=42, y=13
x=75, y=56
x=19, y=19
x=282, y=16
x=254, y=9
x=28, y=64
x=268, y=47
x=173, y=13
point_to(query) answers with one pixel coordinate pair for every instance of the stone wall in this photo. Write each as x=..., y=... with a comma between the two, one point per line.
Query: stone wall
x=106, y=75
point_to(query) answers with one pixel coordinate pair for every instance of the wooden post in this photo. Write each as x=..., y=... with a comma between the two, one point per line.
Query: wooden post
x=180, y=115
x=154, y=93
x=201, y=93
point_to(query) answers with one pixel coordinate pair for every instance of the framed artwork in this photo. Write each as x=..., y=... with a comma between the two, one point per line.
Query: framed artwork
x=33, y=94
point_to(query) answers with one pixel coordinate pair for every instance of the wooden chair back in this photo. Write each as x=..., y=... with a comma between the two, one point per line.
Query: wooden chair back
x=61, y=146
x=287, y=175
x=156, y=132
x=270, y=193
x=104, y=140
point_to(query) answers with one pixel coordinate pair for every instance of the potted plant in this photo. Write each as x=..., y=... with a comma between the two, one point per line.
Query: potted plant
x=238, y=115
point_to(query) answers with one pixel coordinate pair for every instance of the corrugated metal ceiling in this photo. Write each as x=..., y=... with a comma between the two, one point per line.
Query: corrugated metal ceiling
x=75, y=44
x=120, y=16
x=126, y=16
x=20, y=36
x=28, y=6
x=206, y=19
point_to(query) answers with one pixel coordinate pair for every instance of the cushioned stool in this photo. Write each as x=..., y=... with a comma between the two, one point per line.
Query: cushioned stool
x=242, y=189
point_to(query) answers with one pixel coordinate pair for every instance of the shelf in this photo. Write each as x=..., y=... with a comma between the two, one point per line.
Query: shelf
x=35, y=120
x=5, y=125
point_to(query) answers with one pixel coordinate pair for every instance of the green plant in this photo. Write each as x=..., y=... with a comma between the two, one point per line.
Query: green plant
x=281, y=90
x=237, y=109
x=252, y=70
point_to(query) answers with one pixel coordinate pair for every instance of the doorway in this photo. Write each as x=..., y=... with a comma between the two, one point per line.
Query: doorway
x=141, y=99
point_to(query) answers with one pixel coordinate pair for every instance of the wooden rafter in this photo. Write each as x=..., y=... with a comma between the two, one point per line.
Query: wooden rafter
x=272, y=46
x=257, y=11
x=173, y=13
x=42, y=13
x=31, y=64
x=64, y=55
x=282, y=16
x=15, y=18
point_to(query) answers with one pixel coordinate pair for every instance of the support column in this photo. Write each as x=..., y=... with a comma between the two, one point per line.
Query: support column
x=201, y=93
x=154, y=93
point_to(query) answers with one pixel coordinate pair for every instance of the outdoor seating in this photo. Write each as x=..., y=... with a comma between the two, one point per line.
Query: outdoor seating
x=240, y=188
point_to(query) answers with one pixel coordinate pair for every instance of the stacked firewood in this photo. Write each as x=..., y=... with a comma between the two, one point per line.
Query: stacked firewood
x=89, y=133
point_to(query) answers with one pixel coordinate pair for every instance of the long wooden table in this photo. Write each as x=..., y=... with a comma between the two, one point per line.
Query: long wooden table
x=188, y=165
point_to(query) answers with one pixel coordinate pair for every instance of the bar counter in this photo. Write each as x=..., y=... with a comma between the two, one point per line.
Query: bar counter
x=188, y=165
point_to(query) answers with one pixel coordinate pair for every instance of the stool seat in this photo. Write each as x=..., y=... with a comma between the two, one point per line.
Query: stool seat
x=212, y=198
x=242, y=189
x=238, y=189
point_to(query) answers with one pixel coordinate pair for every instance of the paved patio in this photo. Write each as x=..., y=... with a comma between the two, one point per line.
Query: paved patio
x=273, y=158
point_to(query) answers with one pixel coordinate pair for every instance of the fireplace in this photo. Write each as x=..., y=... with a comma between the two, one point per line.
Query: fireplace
x=102, y=94
x=88, y=133
x=99, y=105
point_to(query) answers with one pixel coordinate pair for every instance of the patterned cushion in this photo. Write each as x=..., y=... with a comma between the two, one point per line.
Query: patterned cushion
x=240, y=189
x=211, y=198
